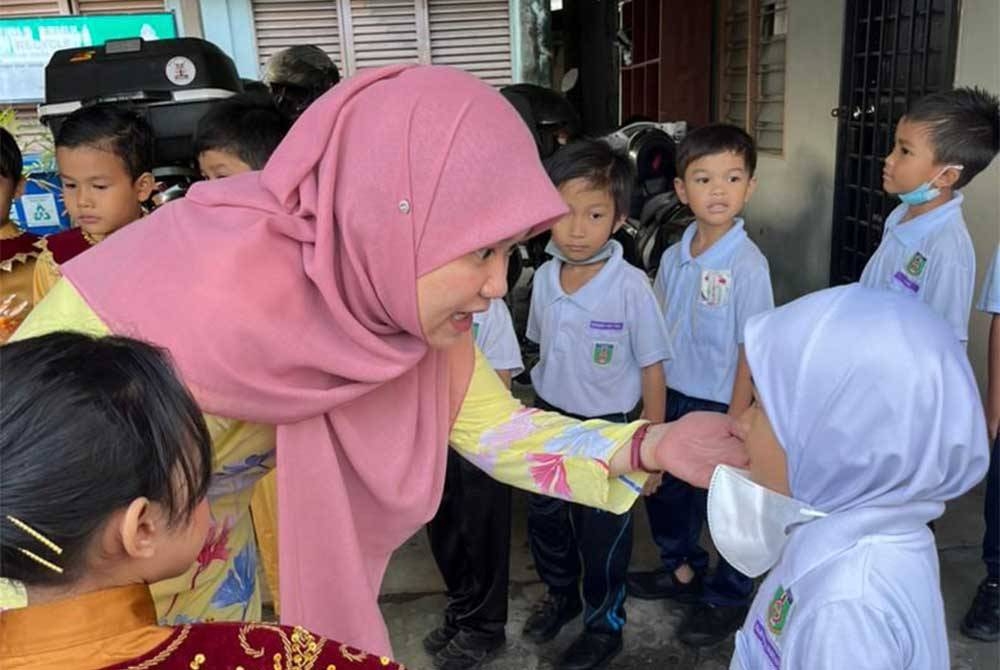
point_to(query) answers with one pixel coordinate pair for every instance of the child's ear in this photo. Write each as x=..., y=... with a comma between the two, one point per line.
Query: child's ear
x=19, y=188
x=143, y=186
x=141, y=526
x=680, y=190
x=618, y=224
x=948, y=178
x=751, y=187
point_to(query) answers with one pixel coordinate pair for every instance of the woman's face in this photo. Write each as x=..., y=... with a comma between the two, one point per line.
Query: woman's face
x=448, y=296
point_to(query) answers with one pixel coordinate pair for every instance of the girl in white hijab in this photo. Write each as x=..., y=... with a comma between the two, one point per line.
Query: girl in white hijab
x=867, y=419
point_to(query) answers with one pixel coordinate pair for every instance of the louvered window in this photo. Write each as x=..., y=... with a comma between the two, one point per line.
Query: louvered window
x=283, y=23
x=473, y=35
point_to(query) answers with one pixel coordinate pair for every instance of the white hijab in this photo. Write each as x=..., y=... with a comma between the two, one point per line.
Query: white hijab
x=874, y=402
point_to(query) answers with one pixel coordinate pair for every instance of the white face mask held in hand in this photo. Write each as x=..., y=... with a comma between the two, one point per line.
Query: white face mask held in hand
x=749, y=523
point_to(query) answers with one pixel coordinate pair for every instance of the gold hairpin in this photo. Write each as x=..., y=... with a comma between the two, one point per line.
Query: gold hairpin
x=41, y=561
x=55, y=548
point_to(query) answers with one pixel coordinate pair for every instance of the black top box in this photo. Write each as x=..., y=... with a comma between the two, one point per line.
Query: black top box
x=171, y=82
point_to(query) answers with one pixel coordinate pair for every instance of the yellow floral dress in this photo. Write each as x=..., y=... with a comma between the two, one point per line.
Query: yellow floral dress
x=537, y=451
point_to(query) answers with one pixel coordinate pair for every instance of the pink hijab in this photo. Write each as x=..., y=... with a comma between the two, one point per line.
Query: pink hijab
x=288, y=297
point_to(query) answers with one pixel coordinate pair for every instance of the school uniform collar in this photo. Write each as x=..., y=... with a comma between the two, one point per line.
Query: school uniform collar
x=595, y=291
x=62, y=624
x=719, y=254
x=919, y=227
x=816, y=542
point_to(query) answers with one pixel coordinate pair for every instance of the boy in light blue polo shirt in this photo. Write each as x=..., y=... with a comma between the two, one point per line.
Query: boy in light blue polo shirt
x=941, y=144
x=602, y=341
x=708, y=285
x=982, y=621
x=470, y=534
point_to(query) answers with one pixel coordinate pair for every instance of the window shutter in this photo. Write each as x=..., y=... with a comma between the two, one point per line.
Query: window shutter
x=473, y=35
x=280, y=24
x=383, y=32
x=118, y=6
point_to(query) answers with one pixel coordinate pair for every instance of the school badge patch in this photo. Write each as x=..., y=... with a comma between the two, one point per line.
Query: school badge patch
x=915, y=266
x=603, y=353
x=779, y=609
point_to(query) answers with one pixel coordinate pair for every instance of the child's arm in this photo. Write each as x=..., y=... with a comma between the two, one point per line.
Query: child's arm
x=654, y=393
x=505, y=376
x=993, y=385
x=742, y=387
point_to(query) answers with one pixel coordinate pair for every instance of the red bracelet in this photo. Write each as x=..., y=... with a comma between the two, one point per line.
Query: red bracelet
x=636, y=452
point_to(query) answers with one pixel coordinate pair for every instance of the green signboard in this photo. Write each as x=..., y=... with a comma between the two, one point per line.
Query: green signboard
x=27, y=44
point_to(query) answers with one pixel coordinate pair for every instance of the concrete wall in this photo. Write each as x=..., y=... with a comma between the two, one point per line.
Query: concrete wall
x=791, y=214
x=979, y=65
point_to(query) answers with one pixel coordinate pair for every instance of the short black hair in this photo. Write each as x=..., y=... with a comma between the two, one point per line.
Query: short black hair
x=964, y=128
x=248, y=125
x=598, y=163
x=11, y=161
x=112, y=128
x=87, y=425
x=717, y=138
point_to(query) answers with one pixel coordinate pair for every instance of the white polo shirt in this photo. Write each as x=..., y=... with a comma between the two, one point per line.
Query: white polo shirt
x=989, y=299
x=929, y=257
x=706, y=301
x=595, y=342
x=493, y=331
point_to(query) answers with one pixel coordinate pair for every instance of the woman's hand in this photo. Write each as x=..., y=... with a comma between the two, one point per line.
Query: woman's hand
x=692, y=446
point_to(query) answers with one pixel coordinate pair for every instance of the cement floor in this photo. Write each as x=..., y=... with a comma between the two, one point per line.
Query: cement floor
x=413, y=601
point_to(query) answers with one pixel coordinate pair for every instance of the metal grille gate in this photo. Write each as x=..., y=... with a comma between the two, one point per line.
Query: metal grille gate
x=895, y=51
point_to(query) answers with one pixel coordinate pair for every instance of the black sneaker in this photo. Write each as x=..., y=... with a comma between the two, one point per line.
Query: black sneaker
x=660, y=584
x=467, y=650
x=982, y=621
x=710, y=624
x=554, y=612
x=590, y=651
x=438, y=639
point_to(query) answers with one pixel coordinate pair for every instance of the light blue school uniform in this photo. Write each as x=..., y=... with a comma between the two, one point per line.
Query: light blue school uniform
x=493, y=331
x=595, y=342
x=706, y=301
x=929, y=257
x=989, y=299
x=849, y=595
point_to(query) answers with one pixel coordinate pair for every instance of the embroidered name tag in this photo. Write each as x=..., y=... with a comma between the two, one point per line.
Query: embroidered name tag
x=715, y=287
x=607, y=325
x=770, y=651
x=906, y=282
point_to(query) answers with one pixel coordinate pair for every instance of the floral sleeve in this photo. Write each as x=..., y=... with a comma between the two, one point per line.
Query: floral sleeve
x=542, y=452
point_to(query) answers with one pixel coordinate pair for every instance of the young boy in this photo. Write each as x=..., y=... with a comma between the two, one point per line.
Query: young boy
x=105, y=158
x=708, y=285
x=470, y=534
x=17, y=247
x=941, y=144
x=867, y=422
x=602, y=342
x=238, y=134
x=982, y=621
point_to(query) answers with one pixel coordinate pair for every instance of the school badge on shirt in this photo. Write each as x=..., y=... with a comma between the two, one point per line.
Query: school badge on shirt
x=715, y=287
x=910, y=276
x=603, y=352
x=779, y=609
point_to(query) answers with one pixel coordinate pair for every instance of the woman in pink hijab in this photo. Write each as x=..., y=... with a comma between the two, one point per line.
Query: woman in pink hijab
x=331, y=296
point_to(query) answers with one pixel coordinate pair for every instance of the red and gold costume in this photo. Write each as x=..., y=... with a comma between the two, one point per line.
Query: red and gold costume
x=116, y=630
x=55, y=250
x=17, y=267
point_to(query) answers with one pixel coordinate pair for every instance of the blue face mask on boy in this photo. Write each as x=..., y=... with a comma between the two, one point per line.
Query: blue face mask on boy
x=925, y=192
